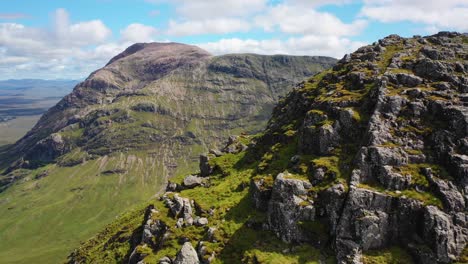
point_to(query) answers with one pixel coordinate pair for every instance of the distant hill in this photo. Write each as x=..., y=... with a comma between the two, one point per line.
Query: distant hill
x=115, y=140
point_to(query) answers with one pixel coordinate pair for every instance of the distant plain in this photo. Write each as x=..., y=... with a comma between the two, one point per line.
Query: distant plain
x=22, y=102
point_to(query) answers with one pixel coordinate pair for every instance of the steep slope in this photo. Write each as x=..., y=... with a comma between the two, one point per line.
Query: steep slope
x=364, y=163
x=113, y=142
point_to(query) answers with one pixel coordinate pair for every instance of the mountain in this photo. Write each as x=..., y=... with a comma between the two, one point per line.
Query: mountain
x=23, y=101
x=364, y=163
x=114, y=141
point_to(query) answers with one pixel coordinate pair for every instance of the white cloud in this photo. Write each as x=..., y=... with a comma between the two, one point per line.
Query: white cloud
x=208, y=26
x=202, y=9
x=138, y=33
x=435, y=14
x=65, y=50
x=306, y=45
x=299, y=20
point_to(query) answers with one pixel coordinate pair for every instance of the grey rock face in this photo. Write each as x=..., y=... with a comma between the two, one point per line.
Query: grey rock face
x=201, y=221
x=205, y=167
x=288, y=206
x=405, y=79
x=187, y=255
x=180, y=208
x=260, y=194
x=445, y=238
x=371, y=220
x=48, y=149
x=192, y=181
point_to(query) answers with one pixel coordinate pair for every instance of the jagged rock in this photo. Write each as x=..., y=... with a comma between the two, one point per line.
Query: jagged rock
x=210, y=234
x=48, y=149
x=180, y=208
x=432, y=70
x=451, y=197
x=319, y=140
x=261, y=194
x=192, y=181
x=392, y=180
x=371, y=220
x=172, y=187
x=205, y=168
x=201, y=250
x=200, y=221
x=216, y=152
x=318, y=176
x=446, y=239
x=405, y=79
x=289, y=205
x=165, y=260
x=234, y=145
x=187, y=255
x=331, y=203
x=346, y=119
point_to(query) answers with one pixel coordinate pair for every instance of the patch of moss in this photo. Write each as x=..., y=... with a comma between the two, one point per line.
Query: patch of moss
x=330, y=163
x=415, y=171
x=414, y=151
x=419, y=131
x=427, y=198
x=393, y=255
x=389, y=145
x=387, y=56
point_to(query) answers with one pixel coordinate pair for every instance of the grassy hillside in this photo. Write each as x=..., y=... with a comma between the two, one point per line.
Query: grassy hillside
x=363, y=163
x=116, y=139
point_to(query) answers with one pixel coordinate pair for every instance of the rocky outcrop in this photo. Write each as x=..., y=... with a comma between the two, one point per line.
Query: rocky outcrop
x=192, y=181
x=409, y=131
x=205, y=168
x=181, y=208
x=187, y=255
x=289, y=205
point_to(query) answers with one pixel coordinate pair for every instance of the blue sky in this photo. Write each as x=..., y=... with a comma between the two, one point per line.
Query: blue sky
x=69, y=39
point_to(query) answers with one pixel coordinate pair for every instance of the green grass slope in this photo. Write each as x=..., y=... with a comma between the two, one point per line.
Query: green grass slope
x=130, y=126
x=42, y=218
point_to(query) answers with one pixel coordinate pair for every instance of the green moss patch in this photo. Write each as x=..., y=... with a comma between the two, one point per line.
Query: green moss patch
x=393, y=255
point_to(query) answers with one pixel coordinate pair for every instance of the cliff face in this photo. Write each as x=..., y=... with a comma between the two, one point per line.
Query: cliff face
x=113, y=142
x=364, y=163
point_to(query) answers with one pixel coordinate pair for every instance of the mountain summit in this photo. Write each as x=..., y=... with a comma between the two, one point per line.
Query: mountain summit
x=364, y=163
x=116, y=139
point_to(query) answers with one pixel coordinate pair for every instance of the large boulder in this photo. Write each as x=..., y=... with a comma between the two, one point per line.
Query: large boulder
x=288, y=207
x=445, y=238
x=187, y=255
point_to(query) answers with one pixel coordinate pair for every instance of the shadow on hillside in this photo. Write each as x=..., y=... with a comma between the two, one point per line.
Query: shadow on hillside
x=250, y=239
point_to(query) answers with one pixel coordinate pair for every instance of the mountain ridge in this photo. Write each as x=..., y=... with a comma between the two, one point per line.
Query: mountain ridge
x=363, y=163
x=117, y=138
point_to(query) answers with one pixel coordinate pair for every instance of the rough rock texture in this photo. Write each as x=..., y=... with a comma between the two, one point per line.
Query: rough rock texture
x=288, y=206
x=386, y=132
x=180, y=208
x=192, y=181
x=187, y=255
